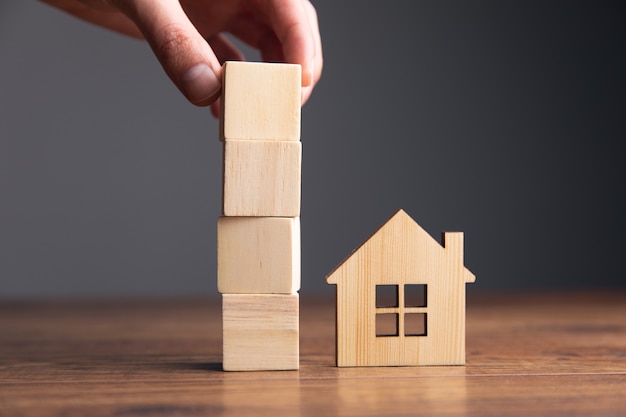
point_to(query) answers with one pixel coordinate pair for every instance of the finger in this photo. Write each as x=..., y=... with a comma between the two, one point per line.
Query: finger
x=105, y=17
x=290, y=22
x=224, y=50
x=185, y=56
x=216, y=109
x=306, y=93
x=250, y=30
x=271, y=49
x=259, y=36
x=318, y=58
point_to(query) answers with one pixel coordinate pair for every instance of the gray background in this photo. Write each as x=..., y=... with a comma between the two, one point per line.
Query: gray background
x=505, y=121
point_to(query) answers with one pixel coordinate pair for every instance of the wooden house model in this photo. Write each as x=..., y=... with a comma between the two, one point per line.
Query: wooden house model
x=401, y=298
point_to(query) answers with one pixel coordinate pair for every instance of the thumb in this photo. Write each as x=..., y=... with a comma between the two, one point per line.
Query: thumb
x=185, y=56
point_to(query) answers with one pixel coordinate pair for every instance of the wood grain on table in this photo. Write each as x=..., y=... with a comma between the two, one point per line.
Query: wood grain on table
x=550, y=354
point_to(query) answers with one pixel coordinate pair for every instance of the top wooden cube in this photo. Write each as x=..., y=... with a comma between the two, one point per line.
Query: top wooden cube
x=260, y=101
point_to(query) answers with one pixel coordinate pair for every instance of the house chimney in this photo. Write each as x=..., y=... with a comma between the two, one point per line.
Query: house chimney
x=453, y=245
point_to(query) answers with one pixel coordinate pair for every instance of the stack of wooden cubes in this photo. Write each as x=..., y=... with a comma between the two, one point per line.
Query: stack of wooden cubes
x=258, y=243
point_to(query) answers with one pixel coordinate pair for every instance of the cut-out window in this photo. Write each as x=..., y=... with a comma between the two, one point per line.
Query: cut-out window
x=415, y=295
x=415, y=324
x=401, y=311
x=386, y=296
x=386, y=324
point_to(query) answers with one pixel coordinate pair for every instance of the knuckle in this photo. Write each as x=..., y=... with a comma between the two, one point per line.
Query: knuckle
x=173, y=42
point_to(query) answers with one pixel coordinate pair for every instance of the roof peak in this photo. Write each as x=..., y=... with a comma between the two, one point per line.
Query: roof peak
x=399, y=224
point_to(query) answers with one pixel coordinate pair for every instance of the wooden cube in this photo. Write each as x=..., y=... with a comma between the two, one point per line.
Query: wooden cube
x=260, y=101
x=260, y=332
x=258, y=255
x=262, y=178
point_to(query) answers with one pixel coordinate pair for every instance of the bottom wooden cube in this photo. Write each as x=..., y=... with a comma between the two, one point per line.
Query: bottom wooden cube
x=260, y=332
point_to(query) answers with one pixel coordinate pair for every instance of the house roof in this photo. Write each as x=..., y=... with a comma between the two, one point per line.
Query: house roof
x=403, y=222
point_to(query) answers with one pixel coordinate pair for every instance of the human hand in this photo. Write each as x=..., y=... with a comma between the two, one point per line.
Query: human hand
x=187, y=36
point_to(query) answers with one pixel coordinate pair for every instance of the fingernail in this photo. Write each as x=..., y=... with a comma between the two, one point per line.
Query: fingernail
x=199, y=83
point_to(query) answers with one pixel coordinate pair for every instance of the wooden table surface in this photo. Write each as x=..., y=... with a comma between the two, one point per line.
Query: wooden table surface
x=527, y=355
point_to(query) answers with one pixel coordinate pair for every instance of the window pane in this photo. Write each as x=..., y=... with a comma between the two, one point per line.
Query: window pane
x=415, y=324
x=387, y=296
x=415, y=295
x=386, y=324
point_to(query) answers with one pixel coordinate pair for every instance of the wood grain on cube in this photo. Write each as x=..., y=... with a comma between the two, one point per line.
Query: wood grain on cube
x=260, y=101
x=258, y=255
x=260, y=332
x=262, y=178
